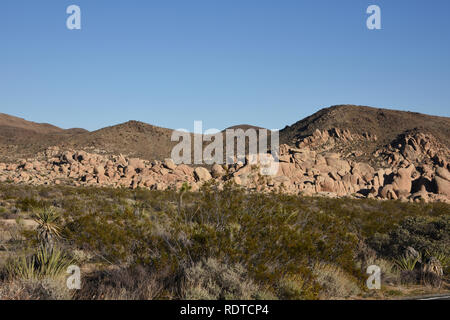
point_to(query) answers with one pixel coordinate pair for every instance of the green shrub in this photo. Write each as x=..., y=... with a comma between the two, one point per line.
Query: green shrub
x=269, y=240
x=424, y=234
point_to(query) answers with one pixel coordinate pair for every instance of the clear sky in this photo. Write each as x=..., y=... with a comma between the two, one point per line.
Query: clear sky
x=263, y=62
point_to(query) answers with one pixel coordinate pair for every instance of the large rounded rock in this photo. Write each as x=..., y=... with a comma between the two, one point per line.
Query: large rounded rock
x=289, y=170
x=388, y=192
x=443, y=173
x=183, y=169
x=202, y=174
x=217, y=171
x=364, y=170
x=327, y=184
x=99, y=170
x=68, y=156
x=136, y=163
x=442, y=186
x=129, y=171
x=403, y=182
x=121, y=161
x=338, y=164
x=169, y=164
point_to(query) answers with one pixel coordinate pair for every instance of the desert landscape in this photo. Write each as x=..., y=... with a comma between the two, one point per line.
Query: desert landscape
x=340, y=151
x=356, y=186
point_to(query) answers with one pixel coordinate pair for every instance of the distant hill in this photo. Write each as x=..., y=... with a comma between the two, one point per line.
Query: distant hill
x=244, y=127
x=384, y=123
x=7, y=121
x=20, y=138
x=134, y=138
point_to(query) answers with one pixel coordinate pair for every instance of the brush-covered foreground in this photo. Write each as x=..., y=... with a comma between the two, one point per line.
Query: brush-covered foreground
x=216, y=244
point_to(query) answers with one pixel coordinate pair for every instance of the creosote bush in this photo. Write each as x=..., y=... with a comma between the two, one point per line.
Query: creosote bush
x=32, y=289
x=334, y=282
x=229, y=243
x=130, y=283
x=212, y=280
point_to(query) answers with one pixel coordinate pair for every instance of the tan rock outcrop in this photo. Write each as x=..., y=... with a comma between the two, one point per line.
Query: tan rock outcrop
x=442, y=186
x=217, y=171
x=202, y=174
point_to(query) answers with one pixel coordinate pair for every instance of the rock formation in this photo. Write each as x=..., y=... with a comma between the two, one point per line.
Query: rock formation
x=415, y=167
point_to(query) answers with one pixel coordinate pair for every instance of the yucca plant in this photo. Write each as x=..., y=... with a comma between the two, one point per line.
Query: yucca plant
x=45, y=262
x=48, y=229
x=406, y=263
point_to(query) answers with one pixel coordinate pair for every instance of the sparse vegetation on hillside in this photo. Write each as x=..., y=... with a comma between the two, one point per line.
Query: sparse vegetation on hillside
x=23, y=139
x=386, y=124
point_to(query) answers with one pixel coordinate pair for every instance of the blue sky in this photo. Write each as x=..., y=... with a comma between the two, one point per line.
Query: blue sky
x=226, y=62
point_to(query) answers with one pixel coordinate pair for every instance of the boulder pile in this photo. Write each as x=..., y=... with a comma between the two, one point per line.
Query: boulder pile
x=414, y=168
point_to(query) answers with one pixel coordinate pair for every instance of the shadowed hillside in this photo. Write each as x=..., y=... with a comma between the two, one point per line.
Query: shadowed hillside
x=20, y=138
x=132, y=138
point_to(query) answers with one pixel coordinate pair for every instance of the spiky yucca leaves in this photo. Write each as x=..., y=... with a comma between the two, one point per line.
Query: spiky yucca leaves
x=48, y=228
x=406, y=263
x=44, y=263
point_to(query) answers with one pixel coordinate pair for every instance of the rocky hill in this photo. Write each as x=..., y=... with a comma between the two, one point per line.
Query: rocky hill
x=385, y=124
x=371, y=129
x=339, y=151
x=358, y=132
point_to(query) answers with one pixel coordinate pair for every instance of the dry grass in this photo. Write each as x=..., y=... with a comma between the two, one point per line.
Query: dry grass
x=335, y=283
x=121, y=284
x=212, y=280
x=43, y=289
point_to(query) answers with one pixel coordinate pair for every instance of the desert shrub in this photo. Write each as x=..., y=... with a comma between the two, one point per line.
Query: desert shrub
x=389, y=273
x=270, y=234
x=296, y=287
x=408, y=277
x=268, y=238
x=6, y=214
x=28, y=204
x=421, y=233
x=120, y=237
x=212, y=280
x=275, y=238
x=334, y=282
x=132, y=283
x=32, y=289
x=431, y=279
x=442, y=257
